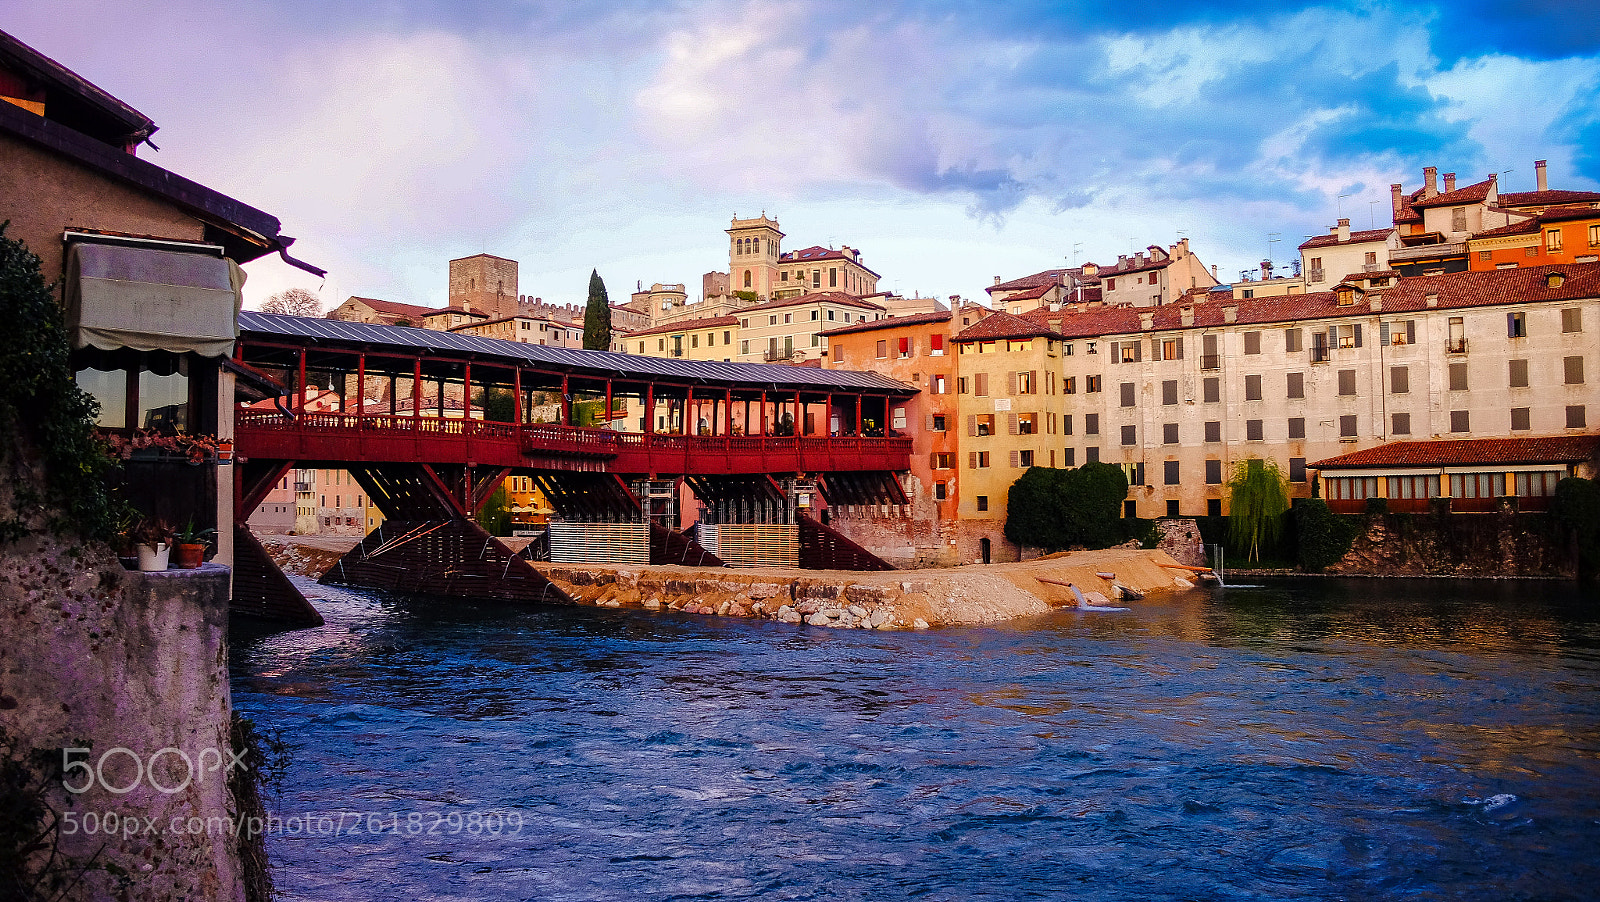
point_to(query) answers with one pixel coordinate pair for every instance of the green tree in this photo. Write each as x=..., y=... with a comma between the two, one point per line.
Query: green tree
x=495, y=517
x=597, y=316
x=1577, y=507
x=1033, y=509
x=1325, y=537
x=499, y=405
x=1258, y=495
x=1055, y=509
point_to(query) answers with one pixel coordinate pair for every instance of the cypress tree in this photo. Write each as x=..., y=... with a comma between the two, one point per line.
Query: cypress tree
x=597, y=316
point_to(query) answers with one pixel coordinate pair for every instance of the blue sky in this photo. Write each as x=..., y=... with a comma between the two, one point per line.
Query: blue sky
x=950, y=141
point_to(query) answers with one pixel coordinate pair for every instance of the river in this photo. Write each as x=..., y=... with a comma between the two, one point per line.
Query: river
x=1305, y=739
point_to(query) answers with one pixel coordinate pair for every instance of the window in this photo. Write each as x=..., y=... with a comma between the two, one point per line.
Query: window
x=1252, y=430
x=744, y=345
x=983, y=502
x=1211, y=389
x=980, y=384
x=939, y=492
x=1213, y=430
x=1252, y=342
x=1349, y=336
x=905, y=347
x=1458, y=377
x=937, y=384
x=936, y=423
x=1347, y=426
x=694, y=340
x=1026, y=423
x=816, y=278
x=1169, y=433
x=833, y=277
x=1027, y=383
x=1297, y=427
x=1400, y=424
x=1066, y=424
x=936, y=345
x=1572, y=319
x=1091, y=424
x=815, y=314
x=1520, y=421
x=980, y=424
x=1519, y=373
x=1459, y=421
x=977, y=460
x=1128, y=352
x=1091, y=384
x=1069, y=385
x=1127, y=394
x=1213, y=507
x=1252, y=388
x=1130, y=435
x=1477, y=485
x=1169, y=391
x=1213, y=472
x=1169, y=472
x=1537, y=484
x=1172, y=349
x=1297, y=469
x=1297, y=385
x=1552, y=241
x=1398, y=333
x=772, y=320
x=1458, y=219
x=1594, y=236
x=961, y=385
x=1516, y=325
x=788, y=317
x=1091, y=455
x=1347, y=382
x=1399, y=380
x=1572, y=367
x=1111, y=284
x=1575, y=416
x=942, y=460
x=1456, y=341
x=1024, y=458
x=1291, y=339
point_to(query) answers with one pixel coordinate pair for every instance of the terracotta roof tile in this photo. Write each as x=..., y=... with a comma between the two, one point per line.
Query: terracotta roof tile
x=688, y=325
x=1048, y=277
x=1355, y=238
x=1536, y=198
x=892, y=322
x=392, y=308
x=1471, y=194
x=1003, y=325
x=1550, y=449
x=817, y=297
x=817, y=253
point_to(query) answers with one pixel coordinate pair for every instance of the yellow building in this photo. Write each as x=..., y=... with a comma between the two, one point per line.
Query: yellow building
x=712, y=338
x=789, y=330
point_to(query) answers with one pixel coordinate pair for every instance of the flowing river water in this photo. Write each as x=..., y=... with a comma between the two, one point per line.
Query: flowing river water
x=1305, y=739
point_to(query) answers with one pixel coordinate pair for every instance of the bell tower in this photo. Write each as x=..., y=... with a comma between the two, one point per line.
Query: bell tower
x=754, y=246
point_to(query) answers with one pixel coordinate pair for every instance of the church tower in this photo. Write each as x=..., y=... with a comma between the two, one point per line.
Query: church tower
x=754, y=246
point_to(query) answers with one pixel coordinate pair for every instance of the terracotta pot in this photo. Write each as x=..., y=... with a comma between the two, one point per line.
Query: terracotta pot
x=154, y=557
x=186, y=556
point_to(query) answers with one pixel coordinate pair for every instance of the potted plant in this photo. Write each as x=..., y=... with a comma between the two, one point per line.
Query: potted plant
x=189, y=546
x=153, y=537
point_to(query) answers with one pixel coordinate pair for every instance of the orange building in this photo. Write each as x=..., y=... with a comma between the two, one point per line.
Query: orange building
x=1563, y=234
x=915, y=350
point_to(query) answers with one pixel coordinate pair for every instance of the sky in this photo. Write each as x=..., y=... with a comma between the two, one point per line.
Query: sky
x=951, y=141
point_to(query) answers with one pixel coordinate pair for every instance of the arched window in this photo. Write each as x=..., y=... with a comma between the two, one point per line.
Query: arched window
x=747, y=278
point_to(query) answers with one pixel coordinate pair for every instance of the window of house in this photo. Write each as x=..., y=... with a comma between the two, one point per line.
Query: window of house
x=943, y=460
x=1128, y=391
x=937, y=383
x=815, y=314
x=1172, y=349
x=816, y=278
x=905, y=346
x=1520, y=419
x=883, y=349
x=981, y=424
x=1169, y=433
x=1296, y=385
x=936, y=345
x=1347, y=382
x=1349, y=335
x=1213, y=472
x=1091, y=455
x=1516, y=325
x=983, y=502
x=744, y=345
x=1069, y=385
x=1169, y=472
x=1130, y=435
x=1400, y=424
x=833, y=277
x=1519, y=373
x=980, y=384
x=1594, y=236
x=1213, y=430
x=977, y=460
x=1291, y=340
x=1456, y=342
x=1027, y=423
x=1066, y=424
x=1169, y=391
x=1552, y=241
x=1252, y=388
x=1297, y=427
x=1024, y=458
x=1458, y=219
x=1572, y=368
x=1025, y=383
x=1399, y=380
x=1460, y=421
x=1252, y=342
x=1458, y=377
x=1347, y=426
x=788, y=317
x=1572, y=319
x=1111, y=284
x=1211, y=390
x=1575, y=416
x=936, y=422
x=1091, y=384
x=1128, y=352
x=1297, y=469
x=939, y=491
x=1398, y=333
x=1091, y=424
x=1253, y=430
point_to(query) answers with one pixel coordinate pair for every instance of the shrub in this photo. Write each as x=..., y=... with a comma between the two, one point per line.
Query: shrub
x=1577, y=507
x=1377, y=505
x=1325, y=537
x=1054, y=509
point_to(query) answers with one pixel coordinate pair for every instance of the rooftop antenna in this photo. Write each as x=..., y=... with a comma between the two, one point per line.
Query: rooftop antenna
x=1272, y=238
x=1077, y=246
x=1372, y=214
x=1339, y=204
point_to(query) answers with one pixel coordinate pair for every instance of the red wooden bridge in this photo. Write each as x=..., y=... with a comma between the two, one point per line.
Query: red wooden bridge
x=429, y=423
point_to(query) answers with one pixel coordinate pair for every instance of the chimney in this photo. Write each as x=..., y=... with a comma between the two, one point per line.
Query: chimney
x=1396, y=198
x=1541, y=177
x=1266, y=270
x=1430, y=182
x=1342, y=230
x=1186, y=316
x=997, y=280
x=1230, y=313
x=1449, y=182
x=1147, y=321
x=1214, y=271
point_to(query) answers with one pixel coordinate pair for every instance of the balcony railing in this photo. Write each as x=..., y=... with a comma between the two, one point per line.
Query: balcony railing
x=1320, y=354
x=1427, y=251
x=779, y=354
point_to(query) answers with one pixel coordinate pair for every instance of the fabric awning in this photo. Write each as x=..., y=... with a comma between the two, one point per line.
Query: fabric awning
x=152, y=300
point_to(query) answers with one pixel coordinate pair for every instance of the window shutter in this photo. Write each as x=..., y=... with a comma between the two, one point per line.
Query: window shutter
x=1333, y=336
x=972, y=424
x=1033, y=382
x=1014, y=461
x=1155, y=349
x=1411, y=331
x=1137, y=351
x=1180, y=347
x=933, y=461
x=1116, y=352
x=1011, y=423
x=1383, y=334
x=1050, y=423
x=928, y=423
x=972, y=460
x=1358, y=335
x=1011, y=383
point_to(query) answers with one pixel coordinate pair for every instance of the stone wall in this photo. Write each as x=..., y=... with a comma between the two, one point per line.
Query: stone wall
x=125, y=665
x=1498, y=544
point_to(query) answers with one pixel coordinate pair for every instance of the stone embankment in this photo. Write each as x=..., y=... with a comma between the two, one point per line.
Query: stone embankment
x=902, y=599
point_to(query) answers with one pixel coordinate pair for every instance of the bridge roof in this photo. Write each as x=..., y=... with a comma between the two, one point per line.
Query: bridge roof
x=599, y=364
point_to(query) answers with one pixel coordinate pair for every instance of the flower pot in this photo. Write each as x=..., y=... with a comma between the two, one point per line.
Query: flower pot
x=187, y=555
x=154, y=557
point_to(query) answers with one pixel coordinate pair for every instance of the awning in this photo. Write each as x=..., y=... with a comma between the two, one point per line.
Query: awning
x=152, y=300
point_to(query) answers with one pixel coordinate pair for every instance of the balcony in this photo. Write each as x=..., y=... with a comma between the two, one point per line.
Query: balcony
x=1455, y=346
x=771, y=354
x=1320, y=354
x=1427, y=252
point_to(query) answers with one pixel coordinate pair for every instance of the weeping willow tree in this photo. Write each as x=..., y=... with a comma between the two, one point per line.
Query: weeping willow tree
x=1258, y=495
